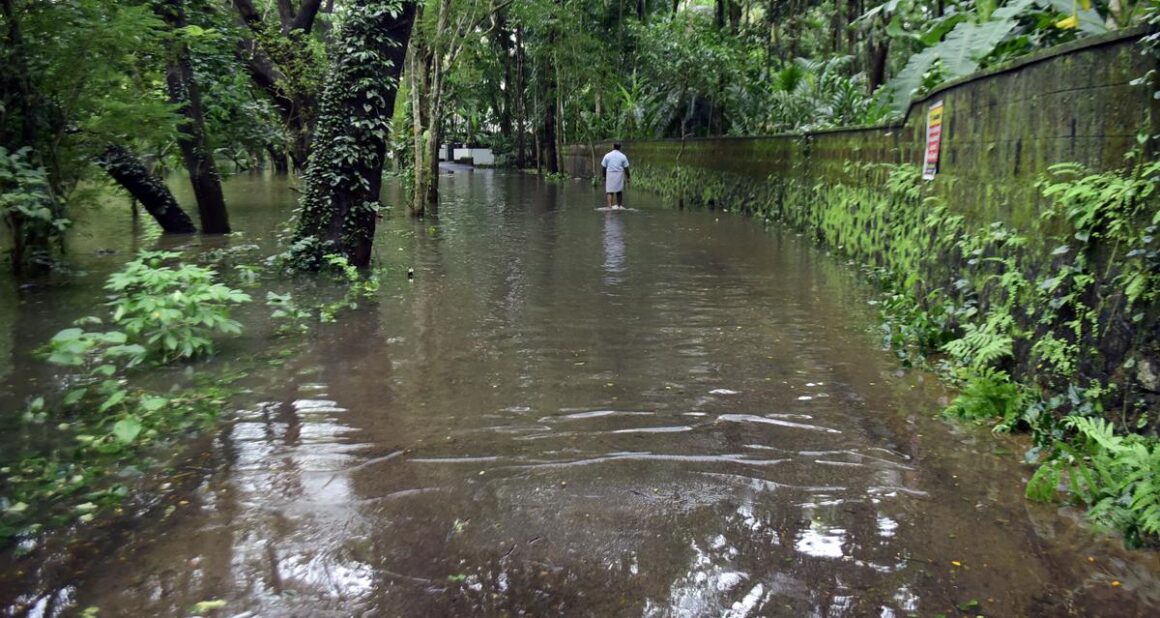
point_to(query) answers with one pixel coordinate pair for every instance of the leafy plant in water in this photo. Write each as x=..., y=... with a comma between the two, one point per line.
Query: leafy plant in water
x=359, y=286
x=291, y=317
x=159, y=313
x=989, y=395
x=173, y=311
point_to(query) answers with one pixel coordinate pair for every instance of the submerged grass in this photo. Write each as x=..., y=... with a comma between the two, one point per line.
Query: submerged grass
x=104, y=433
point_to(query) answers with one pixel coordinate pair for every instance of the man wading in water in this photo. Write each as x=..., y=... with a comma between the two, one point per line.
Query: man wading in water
x=616, y=177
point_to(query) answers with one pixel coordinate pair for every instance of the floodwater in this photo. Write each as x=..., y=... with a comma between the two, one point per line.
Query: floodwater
x=583, y=413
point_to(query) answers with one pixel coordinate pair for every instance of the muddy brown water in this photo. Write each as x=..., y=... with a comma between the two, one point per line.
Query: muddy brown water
x=574, y=412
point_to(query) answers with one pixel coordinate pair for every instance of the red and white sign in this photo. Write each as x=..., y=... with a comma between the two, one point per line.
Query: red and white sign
x=934, y=122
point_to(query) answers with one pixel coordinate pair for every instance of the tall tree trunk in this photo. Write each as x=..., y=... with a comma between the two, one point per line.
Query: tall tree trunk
x=16, y=80
x=420, y=73
x=549, y=138
x=129, y=172
x=434, y=136
x=278, y=158
x=734, y=9
x=561, y=120
x=504, y=42
x=878, y=52
x=343, y=179
x=770, y=31
x=853, y=12
x=521, y=102
x=434, y=54
x=183, y=92
x=720, y=14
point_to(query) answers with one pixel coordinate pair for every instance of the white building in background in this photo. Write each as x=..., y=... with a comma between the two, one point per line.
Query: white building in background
x=478, y=156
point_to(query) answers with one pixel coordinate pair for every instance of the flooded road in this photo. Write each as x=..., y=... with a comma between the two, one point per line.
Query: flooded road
x=583, y=413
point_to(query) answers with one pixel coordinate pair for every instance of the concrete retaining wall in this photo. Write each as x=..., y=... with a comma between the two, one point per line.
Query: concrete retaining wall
x=1003, y=128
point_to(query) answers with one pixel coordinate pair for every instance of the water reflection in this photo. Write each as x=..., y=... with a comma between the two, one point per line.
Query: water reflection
x=532, y=427
x=613, y=247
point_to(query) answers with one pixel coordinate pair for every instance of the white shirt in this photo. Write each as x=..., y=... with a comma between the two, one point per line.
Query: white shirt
x=614, y=161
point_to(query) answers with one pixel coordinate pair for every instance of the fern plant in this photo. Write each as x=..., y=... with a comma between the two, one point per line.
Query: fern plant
x=1117, y=477
x=981, y=346
x=989, y=395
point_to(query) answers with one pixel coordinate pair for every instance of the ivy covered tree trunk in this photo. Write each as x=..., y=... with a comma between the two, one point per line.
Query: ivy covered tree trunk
x=340, y=199
x=183, y=92
x=128, y=171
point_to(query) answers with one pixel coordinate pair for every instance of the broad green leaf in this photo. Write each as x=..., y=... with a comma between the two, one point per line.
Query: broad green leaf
x=74, y=396
x=68, y=334
x=116, y=398
x=127, y=429
x=152, y=403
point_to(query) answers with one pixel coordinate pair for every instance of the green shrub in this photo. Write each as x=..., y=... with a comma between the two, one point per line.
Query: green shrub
x=160, y=313
x=29, y=209
x=172, y=311
x=1116, y=477
x=989, y=395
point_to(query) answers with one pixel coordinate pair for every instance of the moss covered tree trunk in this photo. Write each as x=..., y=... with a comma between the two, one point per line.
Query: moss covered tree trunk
x=128, y=171
x=340, y=199
x=424, y=133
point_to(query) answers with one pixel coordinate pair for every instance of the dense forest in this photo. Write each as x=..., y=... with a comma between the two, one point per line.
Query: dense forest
x=98, y=92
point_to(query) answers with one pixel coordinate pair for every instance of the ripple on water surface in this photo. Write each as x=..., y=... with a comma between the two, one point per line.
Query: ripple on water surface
x=649, y=413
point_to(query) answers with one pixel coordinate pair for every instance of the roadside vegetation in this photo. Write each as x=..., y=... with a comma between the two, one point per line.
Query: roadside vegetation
x=1017, y=360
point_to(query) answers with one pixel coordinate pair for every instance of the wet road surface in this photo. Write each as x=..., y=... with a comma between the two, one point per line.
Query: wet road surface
x=572, y=412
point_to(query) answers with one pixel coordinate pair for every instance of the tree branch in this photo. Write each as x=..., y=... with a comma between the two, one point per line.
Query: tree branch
x=249, y=14
x=304, y=20
x=285, y=14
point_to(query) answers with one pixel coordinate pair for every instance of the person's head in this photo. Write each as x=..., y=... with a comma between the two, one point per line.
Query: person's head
x=616, y=145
